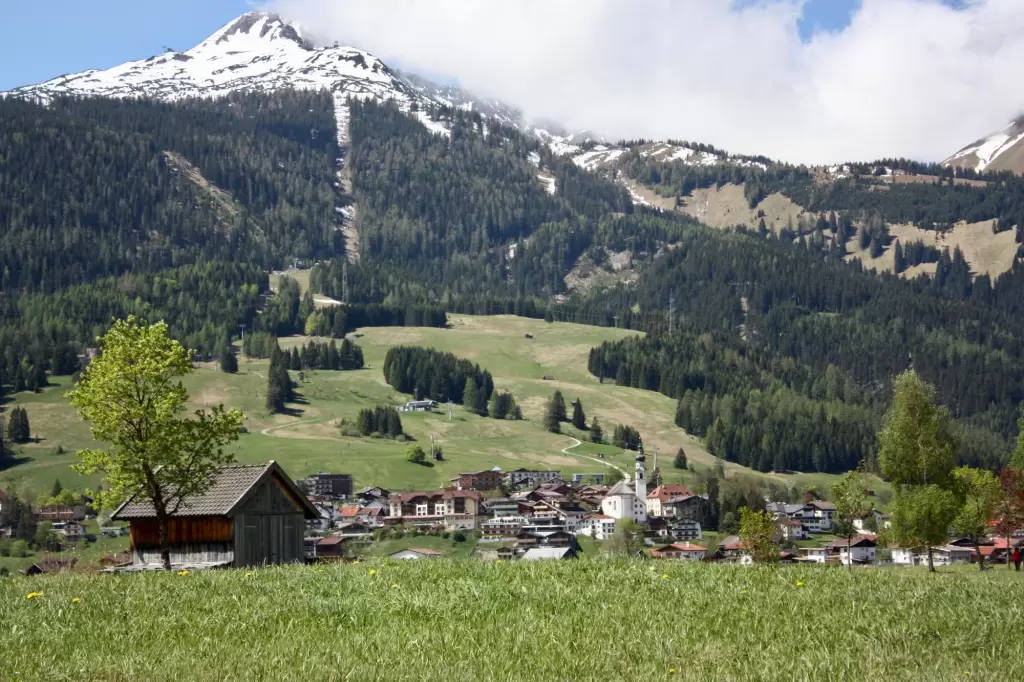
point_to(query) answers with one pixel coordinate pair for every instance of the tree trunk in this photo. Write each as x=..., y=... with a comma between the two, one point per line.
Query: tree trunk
x=931, y=564
x=1009, y=564
x=977, y=551
x=165, y=545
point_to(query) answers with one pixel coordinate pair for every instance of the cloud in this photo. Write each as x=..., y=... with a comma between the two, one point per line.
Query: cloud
x=914, y=78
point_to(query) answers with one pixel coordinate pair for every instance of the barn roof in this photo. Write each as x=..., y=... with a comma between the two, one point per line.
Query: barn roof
x=232, y=485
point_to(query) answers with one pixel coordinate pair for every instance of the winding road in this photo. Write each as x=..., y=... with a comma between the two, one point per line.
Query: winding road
x=266, y=432
x=565, y=451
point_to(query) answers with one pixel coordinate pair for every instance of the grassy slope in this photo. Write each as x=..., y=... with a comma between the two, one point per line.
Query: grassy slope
x=308, y=440
x=450, y=621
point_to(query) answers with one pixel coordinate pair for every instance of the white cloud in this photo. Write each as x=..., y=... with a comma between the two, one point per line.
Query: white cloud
x=911, y=78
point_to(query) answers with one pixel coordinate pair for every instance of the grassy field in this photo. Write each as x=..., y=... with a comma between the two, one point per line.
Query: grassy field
x=308, y=439
x=451, y=621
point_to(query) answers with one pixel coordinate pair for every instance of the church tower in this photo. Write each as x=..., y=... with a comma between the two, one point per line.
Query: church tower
x=640, y=486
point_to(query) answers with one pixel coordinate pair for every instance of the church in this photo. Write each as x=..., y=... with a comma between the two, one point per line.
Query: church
x=629, y=501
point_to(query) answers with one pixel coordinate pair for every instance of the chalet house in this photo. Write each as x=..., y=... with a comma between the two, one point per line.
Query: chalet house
x=684, y=529
x=546, y=553
x=454, y=509
x=660, y=501
x=909, y=556
x=685, y=551
x=353, y=530
x=882, y=521
x=816, y=515
x=501, y=506
x=813, y=555
x=480, y=480
x=420, y=405
x=569, y=514
x=792, y=530
x=69, y=530
x=51, y=565
x=597, y=526
x=62, y=513
x=332, y=486
x=329, y=547
x=372, y=514
x=416, y=553
x=555, y=538
x=531, y=477
x=367, y=495
x=948, y=555
x=731, y=549
x=859, y=550
x=251, y=515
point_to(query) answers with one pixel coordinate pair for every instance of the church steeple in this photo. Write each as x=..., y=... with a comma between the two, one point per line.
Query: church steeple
x=640, y=486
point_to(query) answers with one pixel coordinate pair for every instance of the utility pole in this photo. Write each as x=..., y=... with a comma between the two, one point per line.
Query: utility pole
x=449, y=410
x=243, y=332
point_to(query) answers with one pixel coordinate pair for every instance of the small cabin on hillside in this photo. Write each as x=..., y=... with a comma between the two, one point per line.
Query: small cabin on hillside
x=251, y=515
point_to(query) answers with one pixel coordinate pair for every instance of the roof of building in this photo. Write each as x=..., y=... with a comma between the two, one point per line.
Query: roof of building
x=860, y=541
x=822, y=505
x=791, y=523
x=538, y=553
x=621, y=488
x=445, y=494
x=232, y=485
x=421, y=550
x=669, y=491
x=330, y=541
x=681, y=547
x=349, y=510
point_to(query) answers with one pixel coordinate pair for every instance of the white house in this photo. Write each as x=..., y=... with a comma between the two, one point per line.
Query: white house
x=597, y=526
x=909, y=556
x=816, y=515
x=792, y=530
x=814, y=555
x=948, y=555
x=859, y=550
x=70, y=530
x=680, y=550
x=626, y=501
x=534, y=477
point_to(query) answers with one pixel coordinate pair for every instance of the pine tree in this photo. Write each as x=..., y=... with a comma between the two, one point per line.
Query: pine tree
x=57, y=487
x=295, y=360
x=899, y=262
x=579, y=419
x=559, y=404
x=470, y=396
x=596, y=434
x=228, y=361
x=680, y=460
x=551, y=421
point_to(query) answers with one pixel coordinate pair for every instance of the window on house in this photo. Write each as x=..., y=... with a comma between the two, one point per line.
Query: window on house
x=421, y=509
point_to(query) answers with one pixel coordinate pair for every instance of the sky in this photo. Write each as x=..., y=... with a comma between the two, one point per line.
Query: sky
x=815, y=81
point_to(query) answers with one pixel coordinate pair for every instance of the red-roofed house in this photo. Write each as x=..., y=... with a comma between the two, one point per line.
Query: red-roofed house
x=685, y=550
x=480, y=480
x=673, y=500
x=455, y=509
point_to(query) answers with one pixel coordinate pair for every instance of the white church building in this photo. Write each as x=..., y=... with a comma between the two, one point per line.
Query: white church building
x=628, y=501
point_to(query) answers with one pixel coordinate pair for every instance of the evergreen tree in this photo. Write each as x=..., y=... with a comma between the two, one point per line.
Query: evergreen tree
x=579, y=419
x=551, y=421
x=899, y=261
x=365, y=422
x=56, y=489
x=470, y=396
x=228, y=361
x=680, y=461
x=559, y=405
x=596, y=433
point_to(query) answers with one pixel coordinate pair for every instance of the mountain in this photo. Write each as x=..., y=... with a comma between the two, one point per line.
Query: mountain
x=1001, y=151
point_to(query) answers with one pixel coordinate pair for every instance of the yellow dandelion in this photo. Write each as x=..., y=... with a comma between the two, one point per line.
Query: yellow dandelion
x=249, y=574
x=33, y=595
x=75, y=600
x=373, y=572
x=356, y=561
x=671, y=671
x=395, y=586
x=665, y=576
x=501, y=561
x=183, y=572
x=799, y=583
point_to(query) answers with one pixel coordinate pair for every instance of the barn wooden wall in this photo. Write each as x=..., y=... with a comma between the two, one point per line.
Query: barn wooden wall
x=145, y=533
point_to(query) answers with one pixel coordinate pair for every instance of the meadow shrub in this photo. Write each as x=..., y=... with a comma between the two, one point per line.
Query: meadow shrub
x=459, y=536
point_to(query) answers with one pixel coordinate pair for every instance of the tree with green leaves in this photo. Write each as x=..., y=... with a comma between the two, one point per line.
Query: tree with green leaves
x=551, y=421
x=133, y=396
x=596, y=432
x=680, y=461
x=851, y=503
x=1009, y=511
x=471, y=396
x=1017, y=460
x=980, y=494
x=628, y=538
x=228, y=361
x=579, y=419
x=415, y=454
x=916, y=452
x=56, y=489
x=757, y=533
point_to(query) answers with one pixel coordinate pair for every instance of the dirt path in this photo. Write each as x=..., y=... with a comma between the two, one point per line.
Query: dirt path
x=565, y=451
x=266, y=431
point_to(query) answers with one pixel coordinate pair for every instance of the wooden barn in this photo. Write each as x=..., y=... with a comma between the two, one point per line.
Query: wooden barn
x=251, y=515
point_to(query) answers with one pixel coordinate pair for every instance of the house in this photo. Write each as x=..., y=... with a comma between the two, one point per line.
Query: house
x=531, y=477
x=420, y=405
x=882, y=521
x=251, y=515
x=353, y=530
x=114, y=531
x=368, y=495
x=69, y=530
x=792, y=530
x=329, y=547
x=685, y=551
x=416, y=553
x=816, y=515
x=333, y=486
x=501, y=528
x=813, y=555
x=684, y=529
x=597, y=526
x=502, y=506
x=732, y=549
x=454, y=509
x=327, y=516
x=51, y=565
x=544, y=553
x=491, y=479
x=550, y=538
x=597, y=478
x=858, y=550
x=569, y=514
x=74, y=512
x=948, y=555
x=909, y=556
x=666, y=498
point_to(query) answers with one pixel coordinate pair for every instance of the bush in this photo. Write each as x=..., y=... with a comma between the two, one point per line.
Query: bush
x=401, y=438
x=415, y=454
x=4, y=571
x=60, y=450
x=459, y=536
x=445, y=534
x=19, y=549
x=5, y=547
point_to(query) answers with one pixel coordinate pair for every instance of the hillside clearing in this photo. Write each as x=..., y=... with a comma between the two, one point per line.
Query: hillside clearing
x=575, y=620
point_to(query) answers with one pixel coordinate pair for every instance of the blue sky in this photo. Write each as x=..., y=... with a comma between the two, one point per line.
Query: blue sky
x=42, y=39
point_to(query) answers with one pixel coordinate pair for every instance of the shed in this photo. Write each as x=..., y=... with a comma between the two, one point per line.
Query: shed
x=542, y=553
x=251, y=515
x=416, y=553
x=51, y=565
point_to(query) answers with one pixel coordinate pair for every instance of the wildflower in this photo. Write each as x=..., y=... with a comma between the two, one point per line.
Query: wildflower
x=249, y=574
x=501, y=561
x=75, y=600
x=373, y=572
x=33, y=595
x=665, y=576
x=671, y=671
x=356, y=561
x=184, y=571
x=799, y=583
x=394, y=586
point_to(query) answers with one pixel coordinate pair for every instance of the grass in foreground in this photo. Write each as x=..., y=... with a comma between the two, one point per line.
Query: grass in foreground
x=451, y=620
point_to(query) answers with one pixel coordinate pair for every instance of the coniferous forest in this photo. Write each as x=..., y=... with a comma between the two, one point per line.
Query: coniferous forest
x=780, y=354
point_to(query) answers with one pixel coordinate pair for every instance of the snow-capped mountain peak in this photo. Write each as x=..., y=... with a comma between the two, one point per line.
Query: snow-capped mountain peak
x=1003, y=150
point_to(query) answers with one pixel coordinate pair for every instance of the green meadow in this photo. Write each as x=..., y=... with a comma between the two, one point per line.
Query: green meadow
x=308, y=439
x=590, y=619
